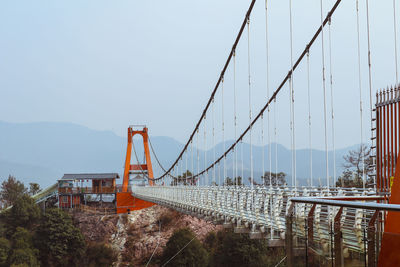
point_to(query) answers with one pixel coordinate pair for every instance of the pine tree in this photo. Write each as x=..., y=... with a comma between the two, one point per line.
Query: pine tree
x=11, y=190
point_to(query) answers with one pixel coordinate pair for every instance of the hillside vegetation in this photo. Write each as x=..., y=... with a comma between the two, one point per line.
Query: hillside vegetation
x=30, y=236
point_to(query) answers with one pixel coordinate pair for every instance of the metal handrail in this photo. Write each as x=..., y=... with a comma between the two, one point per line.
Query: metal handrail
x=349, y=204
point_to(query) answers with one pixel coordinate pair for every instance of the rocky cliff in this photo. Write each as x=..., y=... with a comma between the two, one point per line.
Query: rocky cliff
x=136, y=236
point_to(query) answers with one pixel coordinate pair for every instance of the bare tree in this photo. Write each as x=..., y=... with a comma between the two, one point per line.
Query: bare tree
x=354, y=162
x=34, y=188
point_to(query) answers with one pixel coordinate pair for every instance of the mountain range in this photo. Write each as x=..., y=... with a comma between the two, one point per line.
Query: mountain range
x=42, y=152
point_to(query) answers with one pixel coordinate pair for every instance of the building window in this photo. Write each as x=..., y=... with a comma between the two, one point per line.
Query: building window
x=65, y=199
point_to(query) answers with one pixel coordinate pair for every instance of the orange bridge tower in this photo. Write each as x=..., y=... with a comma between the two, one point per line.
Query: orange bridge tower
x=125, y=201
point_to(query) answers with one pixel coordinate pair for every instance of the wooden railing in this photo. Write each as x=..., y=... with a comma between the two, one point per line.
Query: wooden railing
x=87, y=190
x=91, y=210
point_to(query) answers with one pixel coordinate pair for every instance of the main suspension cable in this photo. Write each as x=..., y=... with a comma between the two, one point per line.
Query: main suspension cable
x=284, y=81
x=155, y=155
x=238, y=37
x=275, y=93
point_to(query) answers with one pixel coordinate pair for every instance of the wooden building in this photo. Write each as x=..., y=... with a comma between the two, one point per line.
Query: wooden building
x=73, y=188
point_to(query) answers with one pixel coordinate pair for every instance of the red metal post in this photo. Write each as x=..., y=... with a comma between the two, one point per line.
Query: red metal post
x=391, y=136
x=395, y=127
x=387, y=144
x=378, y=146
x=384, y=145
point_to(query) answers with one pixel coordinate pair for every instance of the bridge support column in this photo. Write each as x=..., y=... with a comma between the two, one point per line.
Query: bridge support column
x=371, y=240
x=310, y=234
x=289, y=237
x=338, y=240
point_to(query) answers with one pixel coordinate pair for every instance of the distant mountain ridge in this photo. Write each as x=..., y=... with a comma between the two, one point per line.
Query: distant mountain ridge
x=41, y=152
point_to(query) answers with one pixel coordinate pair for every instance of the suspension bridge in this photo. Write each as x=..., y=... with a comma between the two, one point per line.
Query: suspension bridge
x=319, y=224
x=328, y=224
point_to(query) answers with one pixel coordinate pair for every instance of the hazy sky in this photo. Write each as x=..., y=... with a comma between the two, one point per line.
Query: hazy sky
x=109, y=64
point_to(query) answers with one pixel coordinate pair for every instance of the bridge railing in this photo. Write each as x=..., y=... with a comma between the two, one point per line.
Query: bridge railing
x=261, y=211
x=350, y=232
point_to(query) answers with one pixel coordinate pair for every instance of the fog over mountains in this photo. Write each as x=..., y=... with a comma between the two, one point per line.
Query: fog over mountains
x=43, y=152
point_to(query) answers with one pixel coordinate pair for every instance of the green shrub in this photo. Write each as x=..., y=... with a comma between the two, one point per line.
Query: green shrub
x=5, y=247
x=23, y=251
x=100, y=255
x=236, y=250
x=191, y=251
x=210, y=241
x=24, y=213
x=59, y=241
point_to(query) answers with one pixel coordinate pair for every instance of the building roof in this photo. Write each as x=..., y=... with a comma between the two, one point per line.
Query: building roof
x=89, y=176
x=138, y=177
